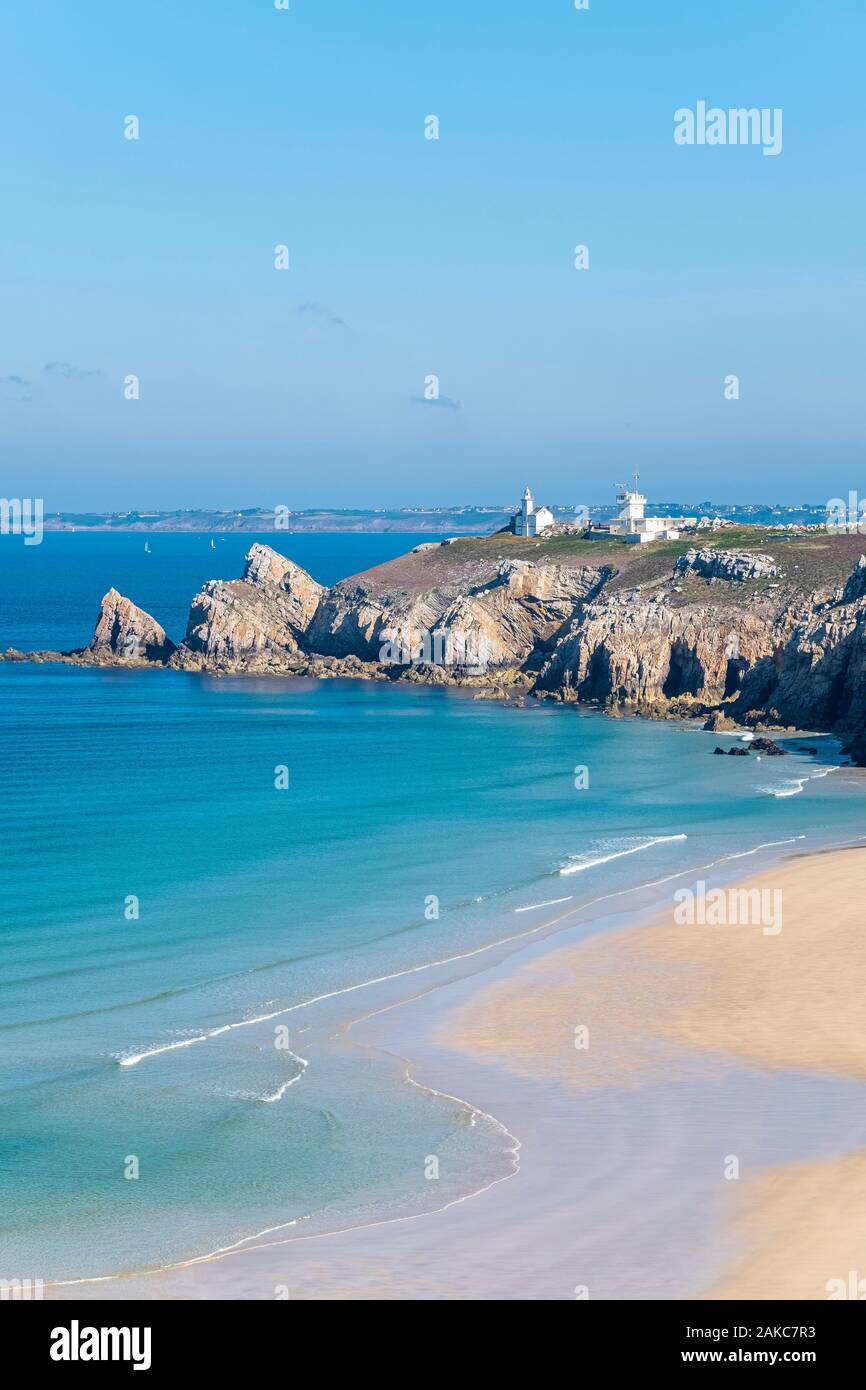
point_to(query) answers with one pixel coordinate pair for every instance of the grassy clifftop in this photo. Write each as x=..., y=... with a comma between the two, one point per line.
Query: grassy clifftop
x=810, y=562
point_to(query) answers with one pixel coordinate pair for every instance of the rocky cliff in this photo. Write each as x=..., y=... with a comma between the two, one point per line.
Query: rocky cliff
x=641, y=650
x=253, y=620
x=665, y=630
x=127, y=633
x=817, y=678
x=481, y=620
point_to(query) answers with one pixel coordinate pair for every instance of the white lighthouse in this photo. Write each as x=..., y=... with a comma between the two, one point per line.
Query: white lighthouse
x=530, y=521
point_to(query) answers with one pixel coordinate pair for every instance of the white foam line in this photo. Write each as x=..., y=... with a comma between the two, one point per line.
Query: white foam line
x=235, y=1248
x=281, y=1090
x=135, y=1058
x=620, y=854
x=792, y=787
x=768, y=844
x=551, y=902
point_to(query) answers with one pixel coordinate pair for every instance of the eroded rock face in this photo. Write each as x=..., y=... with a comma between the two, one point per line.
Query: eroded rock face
x=855, y=585
x=516, y=625
x=266, y=613
x=817, y=679
x=498, y=622
x=727, y=564
x=641, y=650
x=125, y=630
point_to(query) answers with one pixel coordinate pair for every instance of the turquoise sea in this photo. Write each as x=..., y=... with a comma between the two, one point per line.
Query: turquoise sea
x=164, y=906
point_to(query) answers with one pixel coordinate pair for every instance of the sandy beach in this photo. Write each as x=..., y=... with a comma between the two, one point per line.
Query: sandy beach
x=682, y=1103
x=790, y=1002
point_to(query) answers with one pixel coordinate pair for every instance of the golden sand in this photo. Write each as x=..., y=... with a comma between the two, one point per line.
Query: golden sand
x=796, y=1000
x=804, y=1226
x=669, y=1000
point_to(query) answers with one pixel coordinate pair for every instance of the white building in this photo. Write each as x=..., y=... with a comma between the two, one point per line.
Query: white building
x=635, y=527
x=531, y=520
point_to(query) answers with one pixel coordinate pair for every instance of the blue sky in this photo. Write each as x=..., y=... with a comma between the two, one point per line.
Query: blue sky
x=411, y=257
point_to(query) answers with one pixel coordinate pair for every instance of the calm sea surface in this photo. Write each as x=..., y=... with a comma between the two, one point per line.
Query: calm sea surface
x=163, y=905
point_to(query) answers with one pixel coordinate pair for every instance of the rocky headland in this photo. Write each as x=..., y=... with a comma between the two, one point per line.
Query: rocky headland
x=753, y=630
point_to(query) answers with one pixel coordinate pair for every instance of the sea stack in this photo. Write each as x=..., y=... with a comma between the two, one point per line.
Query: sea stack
x=124, y=630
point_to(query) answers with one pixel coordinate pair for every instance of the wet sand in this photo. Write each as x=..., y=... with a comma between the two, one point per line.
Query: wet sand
x=706, y=1050
x=789, y=1001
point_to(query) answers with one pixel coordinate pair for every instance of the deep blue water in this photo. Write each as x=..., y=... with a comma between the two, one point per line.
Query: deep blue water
x=119, y=1034
x=50, y=593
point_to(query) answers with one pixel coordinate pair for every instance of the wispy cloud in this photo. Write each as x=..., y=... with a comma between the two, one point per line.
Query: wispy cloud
x=13, y=381
x=444, y=402
x=321, y=311
x=68, y=372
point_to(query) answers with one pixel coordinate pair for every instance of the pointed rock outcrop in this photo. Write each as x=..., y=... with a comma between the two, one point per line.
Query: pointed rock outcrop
x=266, y=569
x=564, y=625
x=261, y=617
x=125, y=630
x=855, y=585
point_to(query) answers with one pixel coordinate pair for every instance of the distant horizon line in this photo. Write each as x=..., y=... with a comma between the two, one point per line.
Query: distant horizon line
x=432, y=509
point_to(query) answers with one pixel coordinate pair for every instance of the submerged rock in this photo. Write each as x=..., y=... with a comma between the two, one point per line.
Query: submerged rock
x=766, y=745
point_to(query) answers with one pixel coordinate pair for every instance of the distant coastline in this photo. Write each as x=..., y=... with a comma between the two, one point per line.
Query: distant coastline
x=188, y=1051
x=436, y=521
x=455, y=520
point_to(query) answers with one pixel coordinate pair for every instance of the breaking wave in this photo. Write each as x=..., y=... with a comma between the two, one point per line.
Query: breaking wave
x=590, y=860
